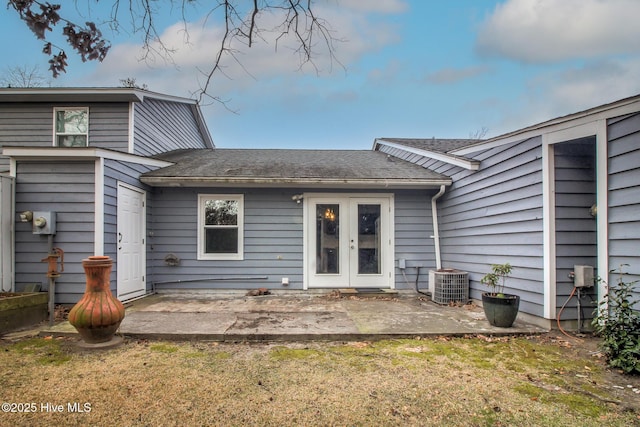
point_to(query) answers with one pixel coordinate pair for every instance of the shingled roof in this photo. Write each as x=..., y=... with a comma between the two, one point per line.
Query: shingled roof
x=283, y=167
x=433, y=144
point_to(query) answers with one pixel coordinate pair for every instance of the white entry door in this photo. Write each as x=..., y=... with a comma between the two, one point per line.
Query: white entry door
x=131, y=263
x=349, y=241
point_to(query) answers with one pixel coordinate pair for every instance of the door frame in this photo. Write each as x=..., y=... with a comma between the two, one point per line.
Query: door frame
x=120, y=264
x=597, y=128
x=345, y=200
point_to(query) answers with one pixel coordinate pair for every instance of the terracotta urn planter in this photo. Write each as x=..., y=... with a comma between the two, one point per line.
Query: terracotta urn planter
x=98, y=314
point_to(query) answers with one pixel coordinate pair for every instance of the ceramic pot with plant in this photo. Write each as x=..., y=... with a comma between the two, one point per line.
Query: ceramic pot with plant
x=500, y=309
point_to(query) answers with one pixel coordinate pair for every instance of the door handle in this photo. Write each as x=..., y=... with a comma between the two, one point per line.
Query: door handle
x=119, y=240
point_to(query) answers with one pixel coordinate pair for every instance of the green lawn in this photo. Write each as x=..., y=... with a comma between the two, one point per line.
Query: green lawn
x=447, y=381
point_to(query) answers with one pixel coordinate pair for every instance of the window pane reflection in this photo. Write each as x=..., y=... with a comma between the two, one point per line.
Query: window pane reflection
x=327, y=239
x=368, y=239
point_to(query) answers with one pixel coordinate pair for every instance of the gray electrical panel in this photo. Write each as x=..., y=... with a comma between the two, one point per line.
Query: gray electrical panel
x=44, y=222
x=584, y=277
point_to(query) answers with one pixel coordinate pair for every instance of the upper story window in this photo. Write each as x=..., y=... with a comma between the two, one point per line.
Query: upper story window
x=220, y=226
x=71, y=127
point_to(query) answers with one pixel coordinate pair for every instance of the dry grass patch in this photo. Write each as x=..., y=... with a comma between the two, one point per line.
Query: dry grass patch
x=460, y=381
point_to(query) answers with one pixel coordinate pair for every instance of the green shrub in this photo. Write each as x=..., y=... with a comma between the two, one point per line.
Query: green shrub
x=497, y=278
x=619, y=327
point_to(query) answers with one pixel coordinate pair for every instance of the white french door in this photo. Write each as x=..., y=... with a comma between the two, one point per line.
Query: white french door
x=349, y=241
x=131, y=264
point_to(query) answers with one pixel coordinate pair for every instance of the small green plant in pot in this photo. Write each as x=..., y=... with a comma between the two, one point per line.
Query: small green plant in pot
x=500, y=309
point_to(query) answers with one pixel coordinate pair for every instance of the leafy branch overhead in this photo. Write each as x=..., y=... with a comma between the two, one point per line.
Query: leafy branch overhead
x=41, y=18
x=244, y=22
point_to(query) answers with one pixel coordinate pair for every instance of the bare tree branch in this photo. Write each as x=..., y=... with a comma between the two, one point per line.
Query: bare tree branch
x=479, y=134
x=252, y=26
x=23, y=76
x=244, y=22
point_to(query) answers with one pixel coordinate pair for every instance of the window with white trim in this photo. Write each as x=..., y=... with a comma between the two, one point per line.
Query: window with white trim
x=71, y=127
x=220, y=226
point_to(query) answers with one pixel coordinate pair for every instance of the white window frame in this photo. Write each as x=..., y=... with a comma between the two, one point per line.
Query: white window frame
x=56, y=134
x=202, y=255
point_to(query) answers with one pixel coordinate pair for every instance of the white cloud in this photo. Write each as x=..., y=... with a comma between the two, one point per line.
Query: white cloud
x=598, y=83
x=386, y=73
x=535, y=31
x=255, y=65
x=378, y=6
x=455, y=75
x=571, y=90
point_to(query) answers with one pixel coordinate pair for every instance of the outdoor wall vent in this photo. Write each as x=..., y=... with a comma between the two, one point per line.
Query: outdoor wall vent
x=171, y=260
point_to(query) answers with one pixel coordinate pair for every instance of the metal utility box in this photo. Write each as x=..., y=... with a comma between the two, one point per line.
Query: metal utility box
x=583, y=276
x=44, y=222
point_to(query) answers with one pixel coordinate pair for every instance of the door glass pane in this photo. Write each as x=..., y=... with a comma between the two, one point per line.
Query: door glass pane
x=327, y=239
x=368, y=239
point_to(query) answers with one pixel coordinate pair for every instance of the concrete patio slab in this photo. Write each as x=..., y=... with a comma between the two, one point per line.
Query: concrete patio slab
x=176, y=325
x=297, y=317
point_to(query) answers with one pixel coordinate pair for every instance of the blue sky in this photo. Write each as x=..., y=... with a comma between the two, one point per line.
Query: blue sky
x=412, y=68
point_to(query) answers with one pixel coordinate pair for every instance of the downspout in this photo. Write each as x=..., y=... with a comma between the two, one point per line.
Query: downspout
x=436, y=231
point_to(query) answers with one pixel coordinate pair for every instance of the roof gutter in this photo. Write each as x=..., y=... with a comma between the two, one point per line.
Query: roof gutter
x=64, y=95
x=436, y=230
x=80, y=154
x=163, y=181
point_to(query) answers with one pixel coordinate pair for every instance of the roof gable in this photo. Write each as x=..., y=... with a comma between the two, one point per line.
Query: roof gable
x=87, y=95
x=437, y=149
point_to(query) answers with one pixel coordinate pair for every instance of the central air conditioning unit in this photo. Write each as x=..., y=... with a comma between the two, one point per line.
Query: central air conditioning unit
x=449, y=285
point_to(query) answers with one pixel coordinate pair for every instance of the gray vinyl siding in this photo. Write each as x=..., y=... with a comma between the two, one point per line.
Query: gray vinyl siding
x=109, y=126
x=68, y=189
x=31, y=125
x=25, y=125
x=162, y=126
x=413, y=238
x=624, y=198
x=576, y=234
x=493, y=216
x=273, y=229
x=273, y=240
